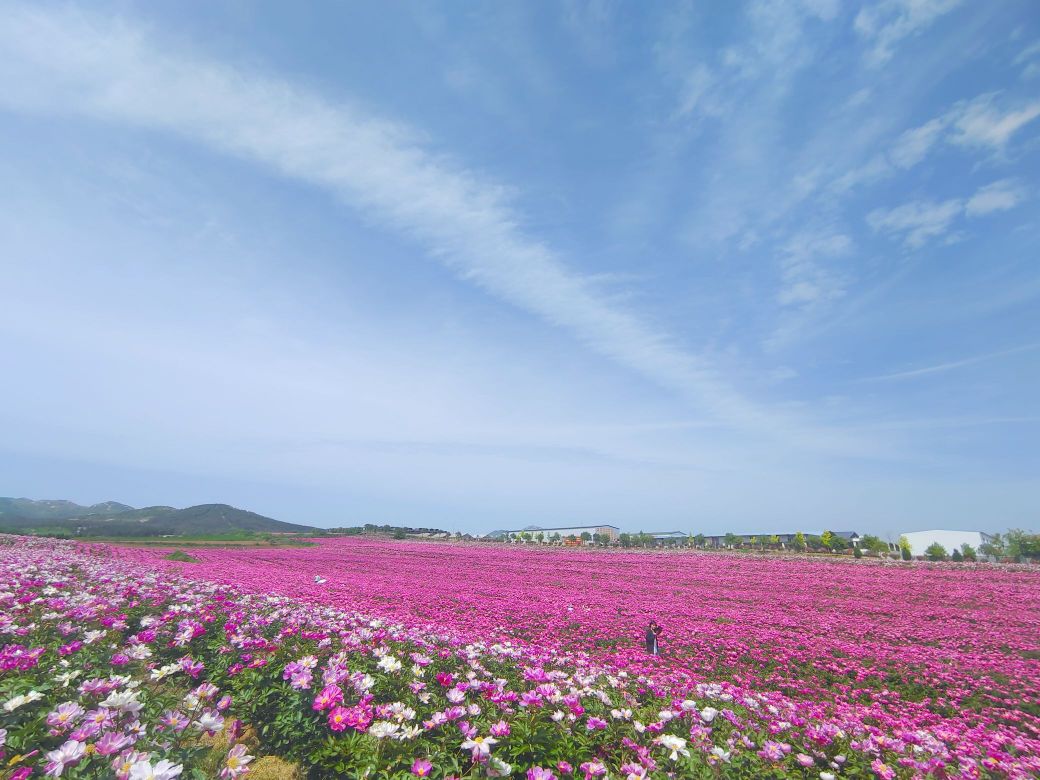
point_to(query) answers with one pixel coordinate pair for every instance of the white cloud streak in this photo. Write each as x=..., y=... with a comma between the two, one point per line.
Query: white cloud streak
x=950, y=366
x=985, y=122
x=884, y=25
x=917, y=221
x=806, y=281
x=65, y=62
x=998, y=196
x=922, y=220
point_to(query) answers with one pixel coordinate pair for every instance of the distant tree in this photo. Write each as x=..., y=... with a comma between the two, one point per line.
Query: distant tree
x=994, y=547
x=935, y=552
x=799, y=542
x=857, y=553
x=956, y=555
x=400, y=534
x=699, y=540
x=731, y=540
x=555, y=538
x=873, y=544
x=1021, y=544
x=827, y=539
x=904, y=549
x=539, y=537
x=572, y=538
x=526, y=536
x=774, y=541
x=968, y=552
x=585, y=536
x=626, y=540
x=839, y=543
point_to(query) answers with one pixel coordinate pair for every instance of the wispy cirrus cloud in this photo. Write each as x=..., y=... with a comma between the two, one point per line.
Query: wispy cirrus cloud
x=987, y=123
x=919, y=221
x=61, y=61
x=939, y=368
x=888, y=23
x=998, y=196
x=777, y=46
x=807, y=279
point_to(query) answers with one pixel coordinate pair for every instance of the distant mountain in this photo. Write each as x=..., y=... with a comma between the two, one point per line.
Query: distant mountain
x=114, y=519
x=53, y=510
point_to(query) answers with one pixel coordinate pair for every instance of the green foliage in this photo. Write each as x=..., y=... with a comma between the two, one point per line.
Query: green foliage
x=935, y=552
x=994, y=547
x=873, y=544
x=968, y=552
x=904, y=549
x=180, y=555
x=956, y=555
x=1021, y=544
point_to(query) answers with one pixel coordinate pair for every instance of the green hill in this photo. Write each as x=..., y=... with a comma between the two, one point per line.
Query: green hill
x=22, y=515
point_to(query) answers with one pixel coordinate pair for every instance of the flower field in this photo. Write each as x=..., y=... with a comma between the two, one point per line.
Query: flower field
x=362, y=658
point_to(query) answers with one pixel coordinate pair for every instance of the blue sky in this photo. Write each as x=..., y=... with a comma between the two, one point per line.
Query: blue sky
x=752, y=266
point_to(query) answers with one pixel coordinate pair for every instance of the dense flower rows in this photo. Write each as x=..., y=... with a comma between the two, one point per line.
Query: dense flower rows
x=446, y=661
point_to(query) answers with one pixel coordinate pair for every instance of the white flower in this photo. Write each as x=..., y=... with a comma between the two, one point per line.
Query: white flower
x=665, y=715
x=164, y=770
x=365, y=683
x=210, y=722
x=675, y=744
x=708, y=714
x=410, y=732
x=382, y=729
x=69, y=753
x=499, y=768
x=558, y=715
x=481, y=746
x=720, y=753
x=165, y=671
x=124, y=701
x=21, y=700
x=688, y=705
x=826, y=776
x=455, y=696
x=66, y=678
x=638, y=726
x=389, y=664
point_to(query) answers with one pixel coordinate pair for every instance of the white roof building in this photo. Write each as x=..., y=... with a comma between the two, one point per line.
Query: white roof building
x=951, y=540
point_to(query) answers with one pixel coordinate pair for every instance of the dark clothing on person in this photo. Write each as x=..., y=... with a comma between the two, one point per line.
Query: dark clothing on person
x=652, y=633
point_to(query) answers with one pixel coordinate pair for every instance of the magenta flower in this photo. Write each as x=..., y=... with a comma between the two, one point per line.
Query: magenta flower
x=500, y=729
x=421, y=767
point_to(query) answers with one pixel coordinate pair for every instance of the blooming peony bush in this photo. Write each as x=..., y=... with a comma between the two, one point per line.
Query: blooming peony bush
x=115, y=664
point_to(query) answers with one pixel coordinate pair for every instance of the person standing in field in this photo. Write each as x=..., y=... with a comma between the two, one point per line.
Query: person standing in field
x=652, y=632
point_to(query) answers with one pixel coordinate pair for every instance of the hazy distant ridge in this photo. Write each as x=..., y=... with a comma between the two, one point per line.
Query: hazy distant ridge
x=116, y=519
